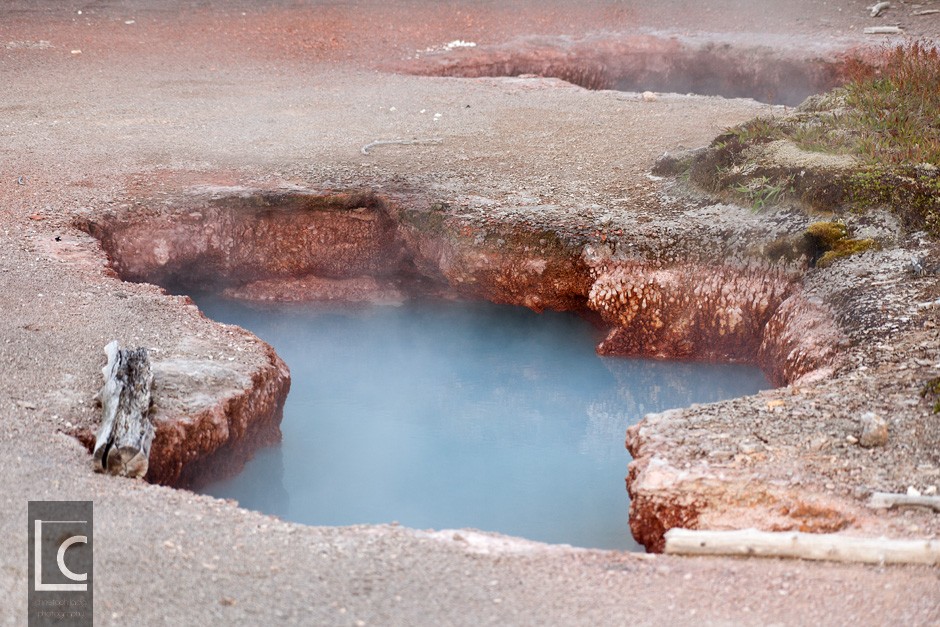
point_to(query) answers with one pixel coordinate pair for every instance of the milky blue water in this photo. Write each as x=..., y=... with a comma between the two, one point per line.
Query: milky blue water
x=448, y=415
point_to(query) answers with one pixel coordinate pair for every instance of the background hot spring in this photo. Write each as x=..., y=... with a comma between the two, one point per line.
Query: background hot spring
x=439, y=414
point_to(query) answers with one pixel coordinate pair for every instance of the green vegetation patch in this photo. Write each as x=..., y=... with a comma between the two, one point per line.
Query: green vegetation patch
x=895, y=114
x=885, y=121
x=913, y=192
x=886, y=115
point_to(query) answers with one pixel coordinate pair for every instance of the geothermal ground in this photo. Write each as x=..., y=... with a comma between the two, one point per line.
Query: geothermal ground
x=223, y=142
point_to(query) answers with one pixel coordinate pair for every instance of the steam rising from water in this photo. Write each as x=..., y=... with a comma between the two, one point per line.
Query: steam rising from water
x=450, y=415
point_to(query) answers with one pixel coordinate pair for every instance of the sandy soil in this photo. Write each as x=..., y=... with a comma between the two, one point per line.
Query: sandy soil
x=164, y=98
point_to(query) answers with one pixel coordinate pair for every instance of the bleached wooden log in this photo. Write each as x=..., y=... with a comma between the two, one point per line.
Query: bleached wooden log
x=123, y=443
x=810, y=546
x=887, y=500
x=879, y=8
x=884, y=30
x=400, y=142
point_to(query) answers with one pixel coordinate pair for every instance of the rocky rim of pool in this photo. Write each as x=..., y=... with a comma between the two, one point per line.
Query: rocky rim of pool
x=702, y=282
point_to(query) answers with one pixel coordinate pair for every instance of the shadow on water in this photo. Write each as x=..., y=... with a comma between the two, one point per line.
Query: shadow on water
x=446, y=415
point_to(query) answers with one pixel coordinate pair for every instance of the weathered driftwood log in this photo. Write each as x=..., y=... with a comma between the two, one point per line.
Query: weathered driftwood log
x=879, y=7
x=884, y=30
x=123, y=443
x=400, y=142
x=810, y=546
x=887, y=500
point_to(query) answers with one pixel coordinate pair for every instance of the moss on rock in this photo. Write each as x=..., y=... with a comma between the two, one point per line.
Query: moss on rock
x=846, y=248
x=826, y=234
x=830, y=241
x=913, y=193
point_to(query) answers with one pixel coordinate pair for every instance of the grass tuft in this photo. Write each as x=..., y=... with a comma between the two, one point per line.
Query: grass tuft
x=894, y=116
x=762, y=192
x=884, y=115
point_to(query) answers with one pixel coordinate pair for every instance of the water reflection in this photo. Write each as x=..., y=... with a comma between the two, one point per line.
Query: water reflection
x=442, y=414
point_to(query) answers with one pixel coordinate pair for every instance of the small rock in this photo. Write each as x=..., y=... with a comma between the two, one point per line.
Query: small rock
x=874, y=431
x=721, y=454
x=912, y=491
x=819, y=444
x=851, y=439
x=649, y=96
x=930, y=490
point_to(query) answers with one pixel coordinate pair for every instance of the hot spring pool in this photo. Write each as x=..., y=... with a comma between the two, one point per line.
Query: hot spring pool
x=445, y=415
